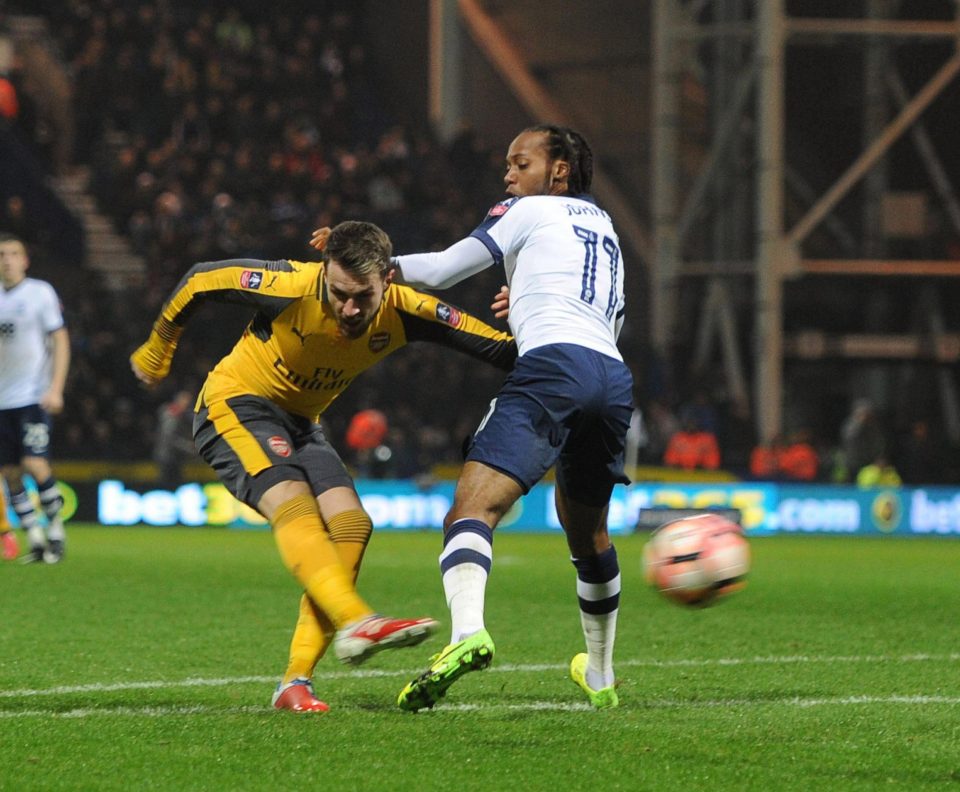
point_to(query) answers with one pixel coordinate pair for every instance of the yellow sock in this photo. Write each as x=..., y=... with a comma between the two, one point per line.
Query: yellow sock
x=310, y=555
x=4, y=519
x=350, y=532
x=311, y=637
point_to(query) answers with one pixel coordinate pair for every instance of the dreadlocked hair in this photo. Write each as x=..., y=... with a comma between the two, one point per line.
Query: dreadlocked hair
x=568, y=145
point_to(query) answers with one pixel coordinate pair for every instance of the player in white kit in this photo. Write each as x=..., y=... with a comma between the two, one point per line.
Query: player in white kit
x=567, y=402
x=34, y=359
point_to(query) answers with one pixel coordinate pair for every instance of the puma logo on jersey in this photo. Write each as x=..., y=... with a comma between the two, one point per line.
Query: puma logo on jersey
x=303, y=338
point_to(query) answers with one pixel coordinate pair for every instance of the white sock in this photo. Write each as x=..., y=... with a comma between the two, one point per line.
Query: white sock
x=55, y=531
x=598, y=591
x=52, y=502
x=28, y=518
x=599, y=632
x=464, y=564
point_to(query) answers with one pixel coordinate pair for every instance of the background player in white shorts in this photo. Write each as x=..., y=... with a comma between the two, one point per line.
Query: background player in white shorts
x=34, y=360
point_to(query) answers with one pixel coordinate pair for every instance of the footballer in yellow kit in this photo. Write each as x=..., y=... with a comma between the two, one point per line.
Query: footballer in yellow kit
x=317, y=326
x=294, y=352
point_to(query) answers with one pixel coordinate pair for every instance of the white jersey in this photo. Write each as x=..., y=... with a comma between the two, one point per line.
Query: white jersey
x=563, y=266
x=29, y=312
x=564, y=269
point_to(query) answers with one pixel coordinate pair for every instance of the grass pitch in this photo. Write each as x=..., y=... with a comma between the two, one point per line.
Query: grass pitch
x=147, y=660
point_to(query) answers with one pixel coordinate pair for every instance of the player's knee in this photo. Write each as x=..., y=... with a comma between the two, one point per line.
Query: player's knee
x=281, y=493
x=38, y=468
x=296, y=524
x=11, y=473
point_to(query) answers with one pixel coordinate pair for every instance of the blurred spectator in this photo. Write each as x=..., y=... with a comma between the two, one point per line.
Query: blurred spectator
x=16, y=220
x=9, y=104
x=637, y=440
x=765, y=459
x=799, y=460
x=921, y=460
x=839, y=473
x=737, y=436
x=660, y=424
x=367, y=430
x=174, y=439
x=692, y=447
x=879, y=473
x=233, y=33
x=861, y=437
x=365, y=435
x=701, y=410
x=402, y=459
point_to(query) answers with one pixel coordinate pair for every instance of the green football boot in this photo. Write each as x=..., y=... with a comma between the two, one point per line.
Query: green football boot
x=473, y=653
x=605, y=698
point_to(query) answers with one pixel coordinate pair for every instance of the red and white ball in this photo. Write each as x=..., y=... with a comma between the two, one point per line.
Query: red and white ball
x=698, y=559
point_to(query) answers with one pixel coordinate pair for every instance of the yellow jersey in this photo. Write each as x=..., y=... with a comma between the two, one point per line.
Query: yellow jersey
x=292, y=352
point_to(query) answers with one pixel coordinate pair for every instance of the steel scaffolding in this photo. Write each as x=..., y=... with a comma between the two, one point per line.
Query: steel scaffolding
x=716, y=219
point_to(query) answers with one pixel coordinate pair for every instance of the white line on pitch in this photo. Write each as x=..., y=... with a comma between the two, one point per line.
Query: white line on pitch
x=101, y=687
x=531, y=706
x=140, y=712
x=719, y=703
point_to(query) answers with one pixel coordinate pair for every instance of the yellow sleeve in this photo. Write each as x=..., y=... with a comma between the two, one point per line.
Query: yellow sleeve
x=427, y=318
x=268, y=286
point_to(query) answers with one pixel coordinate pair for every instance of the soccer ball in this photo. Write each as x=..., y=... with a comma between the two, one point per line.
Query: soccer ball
x=698, y=559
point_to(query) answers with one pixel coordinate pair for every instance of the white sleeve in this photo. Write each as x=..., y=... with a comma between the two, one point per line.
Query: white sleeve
x=51, y=317
x=442, y=270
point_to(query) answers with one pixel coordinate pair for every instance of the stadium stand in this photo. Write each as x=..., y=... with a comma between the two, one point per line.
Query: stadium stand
x=210, y=138
x=212, y=134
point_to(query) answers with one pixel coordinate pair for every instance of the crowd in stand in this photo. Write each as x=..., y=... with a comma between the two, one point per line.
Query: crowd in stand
x=213, y=137
x=697, y=436
x=235, y=135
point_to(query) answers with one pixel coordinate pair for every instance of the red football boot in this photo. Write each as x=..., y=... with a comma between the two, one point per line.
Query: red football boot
x=10, y=547
x=358, y=641
x=298, y=696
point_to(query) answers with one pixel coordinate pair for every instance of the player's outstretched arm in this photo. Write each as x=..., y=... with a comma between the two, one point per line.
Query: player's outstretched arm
x=446, y=268
x=151, y=361
x=268, y=286
x=426, y=318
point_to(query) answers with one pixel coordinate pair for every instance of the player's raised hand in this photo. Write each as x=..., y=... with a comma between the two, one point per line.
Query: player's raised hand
x=142, y=375
x=151, y=361
x=501, y=303
x=319, y=238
